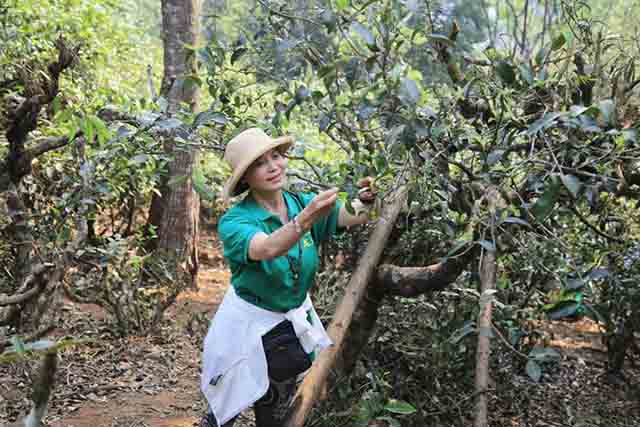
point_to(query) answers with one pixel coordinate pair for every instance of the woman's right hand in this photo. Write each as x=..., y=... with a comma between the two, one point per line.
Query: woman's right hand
x=319, y=207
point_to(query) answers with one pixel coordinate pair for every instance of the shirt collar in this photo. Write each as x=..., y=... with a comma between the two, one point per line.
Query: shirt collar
x=261, y=213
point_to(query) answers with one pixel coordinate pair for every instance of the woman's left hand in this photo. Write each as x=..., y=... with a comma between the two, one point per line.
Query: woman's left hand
x=367, y=193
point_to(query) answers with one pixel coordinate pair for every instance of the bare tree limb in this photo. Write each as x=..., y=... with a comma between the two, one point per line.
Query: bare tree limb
x=24, y=118
x=23, y=297
x=410, y=282
x=21, y=165
x=152, y=87
x=42, y=389
x=49, y=144
x=586, y=222
x=631, y=86
x=286, y=15
x=487, y=287
x=309, y=391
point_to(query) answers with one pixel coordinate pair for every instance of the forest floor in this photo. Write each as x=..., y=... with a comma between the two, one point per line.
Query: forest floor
x=154, y=381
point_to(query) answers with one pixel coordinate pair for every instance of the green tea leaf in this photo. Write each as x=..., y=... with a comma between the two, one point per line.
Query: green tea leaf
x=563, y=309
x=457, y=248
x=489, y=246
x=506, y=72
x=409, y=92
x=364, y=32
x=572, y=183
x=526, y=73
x=558, y=42
x=545, y=354
x=545, y=204
x=441, y=38
x=543, y=123
x=208, y=116
x=399, y=407
x=342, y=4
x=607, y=109
x=514, y=220
x=534, y=370
x=18, y=345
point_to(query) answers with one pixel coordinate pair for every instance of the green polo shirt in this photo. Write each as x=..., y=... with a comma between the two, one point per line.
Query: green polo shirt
x=270, y=283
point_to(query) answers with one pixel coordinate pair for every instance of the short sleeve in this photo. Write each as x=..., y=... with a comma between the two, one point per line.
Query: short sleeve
x=236, y=231
x=326, y=227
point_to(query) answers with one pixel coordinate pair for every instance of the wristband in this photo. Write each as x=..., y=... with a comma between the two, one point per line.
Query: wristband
x=296, y=224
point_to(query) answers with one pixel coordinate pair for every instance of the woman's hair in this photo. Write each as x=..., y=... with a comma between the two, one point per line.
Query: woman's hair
x=241, y=187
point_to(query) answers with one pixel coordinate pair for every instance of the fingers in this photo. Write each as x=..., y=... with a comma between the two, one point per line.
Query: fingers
x=328, y=193
x=365, y=182
x=366, y=195
x=327, y=197
x=324, y=201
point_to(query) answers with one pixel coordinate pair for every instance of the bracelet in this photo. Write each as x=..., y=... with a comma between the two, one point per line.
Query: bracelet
x=297, y=225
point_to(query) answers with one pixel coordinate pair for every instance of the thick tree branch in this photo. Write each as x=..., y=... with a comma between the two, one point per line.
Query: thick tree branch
x=413, y=281
x=22, y=163
x=112, y=115
x=586, y=222
x=24, y=118
x=286, y=15
x=392, y=280
x=23, y=297
x=310, y=390
x=488, y=268
x=23, y=293
x=49, y=144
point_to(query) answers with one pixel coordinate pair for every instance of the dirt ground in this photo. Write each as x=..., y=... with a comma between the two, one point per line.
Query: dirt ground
x=134, y=381
x=154, y=381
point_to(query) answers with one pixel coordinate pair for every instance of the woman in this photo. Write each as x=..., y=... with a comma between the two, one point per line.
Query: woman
x=266, y=331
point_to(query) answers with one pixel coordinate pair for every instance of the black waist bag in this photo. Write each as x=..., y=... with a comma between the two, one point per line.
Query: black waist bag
x=285, y=356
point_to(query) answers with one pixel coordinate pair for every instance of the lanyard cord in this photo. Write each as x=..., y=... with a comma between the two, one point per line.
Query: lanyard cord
x=293, y=265
x=296, y=267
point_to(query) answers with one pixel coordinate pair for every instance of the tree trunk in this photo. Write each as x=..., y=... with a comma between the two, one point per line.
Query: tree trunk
x=362, y=326
x=309, y=390
x=180, y=29
x=20, y=233
x=42, y=387
x=394, y=281
x=487, y=288
x=17, y=164
x=483, y=352
x=174, y=214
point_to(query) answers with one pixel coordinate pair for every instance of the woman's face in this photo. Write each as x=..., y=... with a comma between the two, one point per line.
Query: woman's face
x=268, y=172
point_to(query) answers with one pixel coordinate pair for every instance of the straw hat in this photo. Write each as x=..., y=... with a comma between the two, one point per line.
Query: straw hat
x=243, y=150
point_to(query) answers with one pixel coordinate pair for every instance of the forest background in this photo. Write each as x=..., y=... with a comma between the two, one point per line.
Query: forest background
x=503, y=138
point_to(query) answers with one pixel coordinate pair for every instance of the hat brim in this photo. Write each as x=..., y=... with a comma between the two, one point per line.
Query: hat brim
x=231, y=188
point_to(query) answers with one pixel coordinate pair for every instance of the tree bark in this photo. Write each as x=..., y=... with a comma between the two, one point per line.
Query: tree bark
x=362, y=325
x=409, y=282
x=20, y=232
x=309, y=390
x=180, y=29
x=42, y=387
x=174, y=214
x=483, y=351
x=40, y=89
x=395, y=281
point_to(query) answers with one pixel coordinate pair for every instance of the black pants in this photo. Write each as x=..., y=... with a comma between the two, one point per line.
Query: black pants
x=286, y=360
